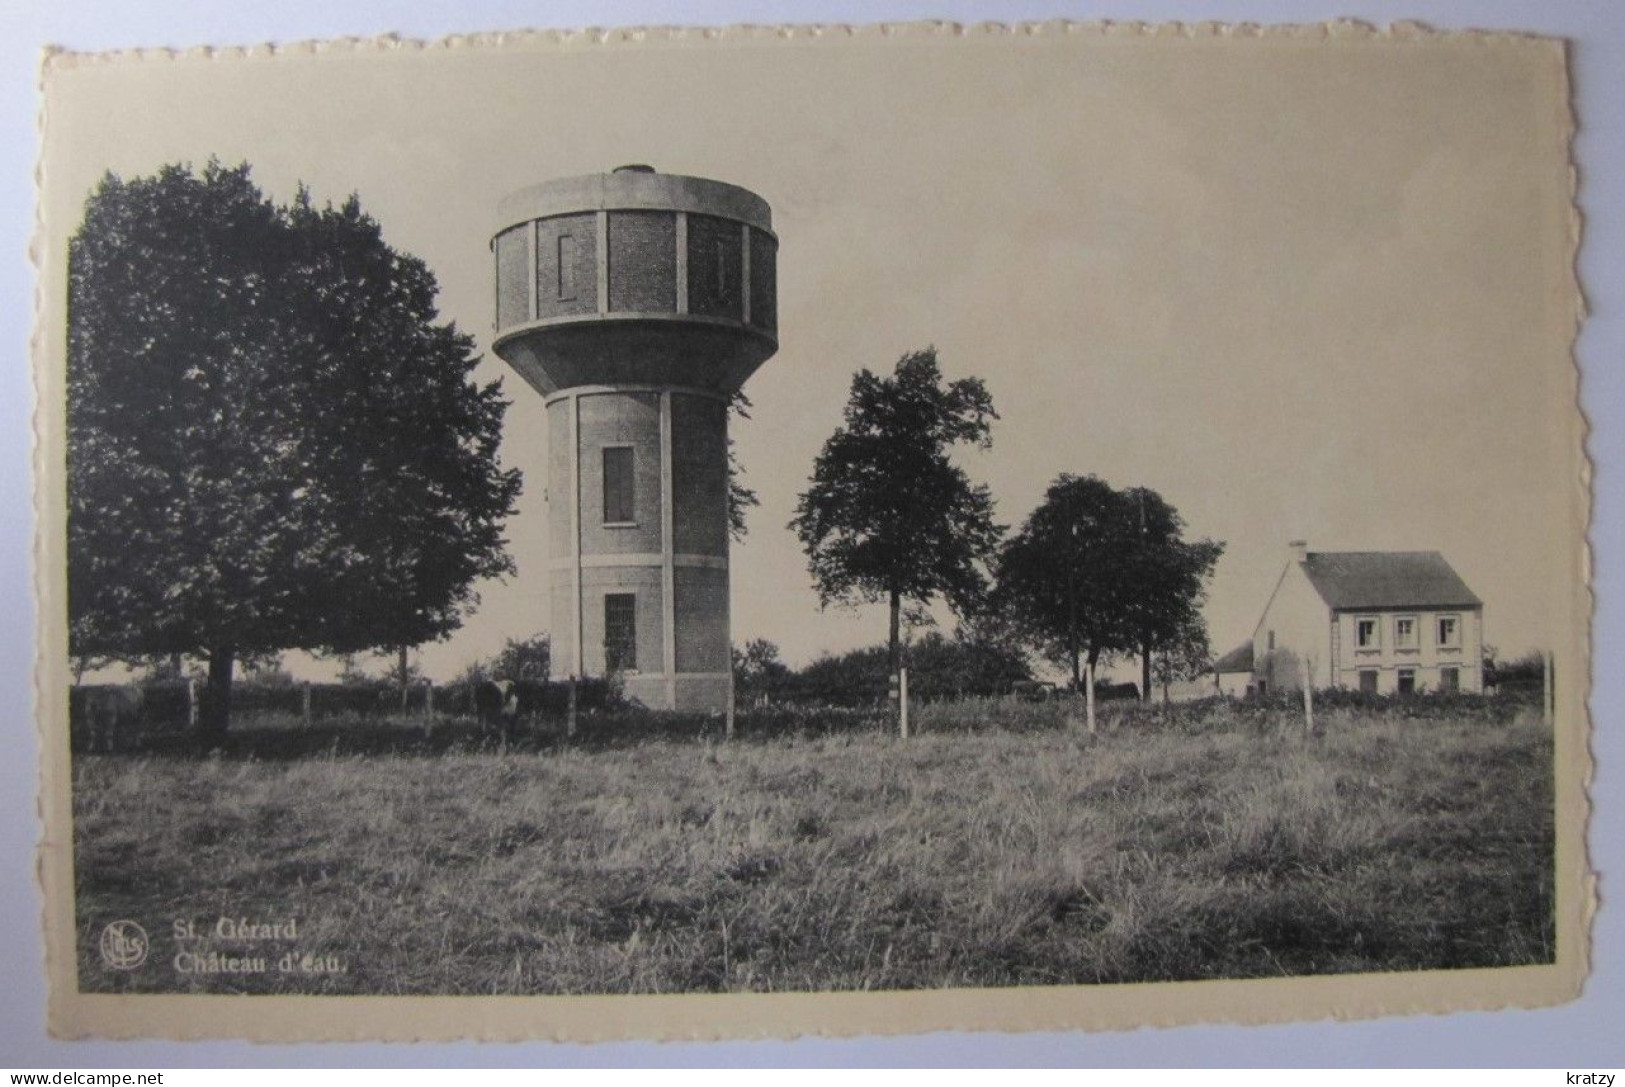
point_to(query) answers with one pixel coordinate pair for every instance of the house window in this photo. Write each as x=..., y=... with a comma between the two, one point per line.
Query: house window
x=567, y=267
x=1365, y=632
x=1450, y=679
x=620, y=632
x=619, y=508
x=1449, y=631
x=1405, y=632
x=1368, y=681
x=1407, y=681
x=1263, y=687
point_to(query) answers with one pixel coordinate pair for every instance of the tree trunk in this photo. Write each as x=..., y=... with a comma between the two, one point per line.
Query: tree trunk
x=1077, y=673
x=216, y=715
x=894, y=643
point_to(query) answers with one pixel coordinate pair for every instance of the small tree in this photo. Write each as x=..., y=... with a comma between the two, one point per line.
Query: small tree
x=1186, y=656
x=966, y=664
x=522, y=660
x=758, y=671
x=740, y=497
x=888, y=516
x=273, y=443
x=527, y=660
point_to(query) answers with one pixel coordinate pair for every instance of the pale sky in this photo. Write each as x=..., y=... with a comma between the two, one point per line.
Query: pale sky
x=1301, y=289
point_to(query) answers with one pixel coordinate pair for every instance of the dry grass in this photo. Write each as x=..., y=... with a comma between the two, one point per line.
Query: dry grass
x=1232, y=846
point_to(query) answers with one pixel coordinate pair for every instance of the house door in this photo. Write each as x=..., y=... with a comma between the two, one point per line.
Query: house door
x=1368, y=681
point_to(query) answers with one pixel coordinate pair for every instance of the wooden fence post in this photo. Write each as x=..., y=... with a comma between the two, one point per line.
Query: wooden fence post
x=570, y=711
x=191, y=704
x=902, y=702
x=304, y=703
x=1308, y=698
x=1089, y=696
x=1548, y=699
x=728, y=724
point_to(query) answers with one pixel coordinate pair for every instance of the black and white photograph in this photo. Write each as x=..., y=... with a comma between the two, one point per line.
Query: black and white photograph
x=881, y=528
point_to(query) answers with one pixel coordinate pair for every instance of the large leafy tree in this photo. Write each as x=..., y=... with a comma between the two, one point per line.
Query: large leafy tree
x=1169, y=576
x=888, y=515
x=1096, y=573
x=1063, y=578
x=273, y=442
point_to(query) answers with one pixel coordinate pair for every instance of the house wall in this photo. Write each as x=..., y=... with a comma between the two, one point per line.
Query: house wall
x=1301, y=625
x=1186, y=690
x=1234, y=684
x=1426, y=659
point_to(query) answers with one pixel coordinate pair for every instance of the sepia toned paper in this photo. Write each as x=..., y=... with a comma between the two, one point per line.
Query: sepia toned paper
x=1313, y=281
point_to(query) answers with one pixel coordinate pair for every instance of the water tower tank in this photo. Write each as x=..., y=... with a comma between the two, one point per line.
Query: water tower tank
x=636, y=303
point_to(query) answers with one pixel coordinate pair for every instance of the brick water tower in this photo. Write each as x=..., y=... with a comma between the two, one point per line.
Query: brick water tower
x=636, y=303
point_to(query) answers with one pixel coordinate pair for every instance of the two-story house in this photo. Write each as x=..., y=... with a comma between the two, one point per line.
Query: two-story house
x=1377, y=621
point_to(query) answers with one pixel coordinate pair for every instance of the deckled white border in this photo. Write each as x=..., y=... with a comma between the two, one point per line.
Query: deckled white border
x=752, y=1015
x=755, y=33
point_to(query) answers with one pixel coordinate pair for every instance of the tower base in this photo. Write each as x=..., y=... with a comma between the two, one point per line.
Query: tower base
x=686, y=692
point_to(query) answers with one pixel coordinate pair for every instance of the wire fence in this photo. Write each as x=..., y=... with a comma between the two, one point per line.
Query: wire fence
x=271, y=722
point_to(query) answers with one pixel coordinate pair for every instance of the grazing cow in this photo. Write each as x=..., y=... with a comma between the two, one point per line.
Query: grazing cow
x=112, y=711
x=496, y=702
x=1117, y=692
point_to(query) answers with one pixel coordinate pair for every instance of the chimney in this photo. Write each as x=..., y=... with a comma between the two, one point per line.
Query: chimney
x=1299, y=550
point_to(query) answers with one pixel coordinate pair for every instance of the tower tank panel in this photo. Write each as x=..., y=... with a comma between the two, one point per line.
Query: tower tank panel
x=636, y=303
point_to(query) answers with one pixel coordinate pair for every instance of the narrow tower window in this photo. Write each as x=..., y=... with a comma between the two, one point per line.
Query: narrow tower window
x=620, y=632
x=619, y=508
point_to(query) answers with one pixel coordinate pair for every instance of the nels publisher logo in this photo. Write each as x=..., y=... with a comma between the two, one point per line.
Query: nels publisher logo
x=124, y=945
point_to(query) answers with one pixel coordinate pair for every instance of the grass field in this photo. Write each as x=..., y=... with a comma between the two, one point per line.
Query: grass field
x=1222, y=843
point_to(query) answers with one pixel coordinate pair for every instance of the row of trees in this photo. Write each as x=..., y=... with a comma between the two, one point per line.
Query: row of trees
x=1094, y=573
x=274, y=443
x=940, y=665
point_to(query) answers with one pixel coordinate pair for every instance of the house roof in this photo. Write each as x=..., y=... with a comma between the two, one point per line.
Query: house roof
x=1349, y=580
x=1239, y=659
